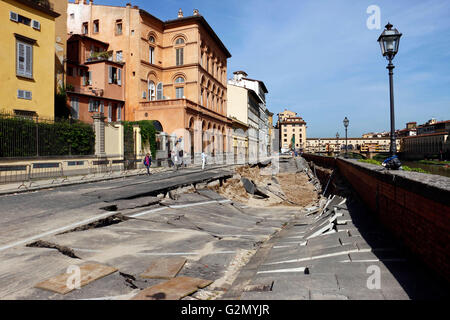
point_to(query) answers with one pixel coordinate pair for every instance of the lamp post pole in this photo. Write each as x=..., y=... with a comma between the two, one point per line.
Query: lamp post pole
x=390, y=67
x=346, y=122
x=389, y=41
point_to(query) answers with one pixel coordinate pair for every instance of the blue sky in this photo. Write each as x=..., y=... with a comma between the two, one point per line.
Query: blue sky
x=319, y=59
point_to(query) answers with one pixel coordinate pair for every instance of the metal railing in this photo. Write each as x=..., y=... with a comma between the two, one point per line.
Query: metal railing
x=24, y=134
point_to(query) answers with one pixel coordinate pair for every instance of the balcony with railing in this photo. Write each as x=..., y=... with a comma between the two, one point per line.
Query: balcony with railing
x=100, y=56
x=85, y=89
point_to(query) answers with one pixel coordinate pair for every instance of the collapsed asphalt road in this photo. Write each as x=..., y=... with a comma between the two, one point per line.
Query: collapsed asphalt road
x=127, y=224
x=173, y=237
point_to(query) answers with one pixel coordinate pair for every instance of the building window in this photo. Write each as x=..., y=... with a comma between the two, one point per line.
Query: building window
x=19, y=18
x=109, y=112
x=84, y=28
x=159, y=91
x=118, y=27
x=179, y=41
x=93, y=105
x=151, y=91
x=179, y=80
x=151, y=55
x=114, y=75
x=179, y=56
x=201, y=97
x=179, y=92
x=72, y=16
x=119, y=113
x=207, y=64
x=119, y=56
x=24, y=59
x=96, y=26
x=151, y=39
x=74, y=104
x=87, y=78
x=24, y=94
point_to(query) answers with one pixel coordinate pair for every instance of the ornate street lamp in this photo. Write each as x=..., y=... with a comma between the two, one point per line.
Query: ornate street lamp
x=346, y=125
x=389, y=41
x=337, y=141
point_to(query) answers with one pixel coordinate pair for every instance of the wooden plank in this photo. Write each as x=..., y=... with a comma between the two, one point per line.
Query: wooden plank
x=173, y=289
x=164, y=268
x=88, y=274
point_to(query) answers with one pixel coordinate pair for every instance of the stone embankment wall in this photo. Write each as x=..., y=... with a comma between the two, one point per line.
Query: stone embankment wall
x=415, y=207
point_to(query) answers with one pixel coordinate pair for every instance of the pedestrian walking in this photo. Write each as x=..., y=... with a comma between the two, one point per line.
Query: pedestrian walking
x=175, y=159
x=148, y=162
x=180, y=153
x=203, y=160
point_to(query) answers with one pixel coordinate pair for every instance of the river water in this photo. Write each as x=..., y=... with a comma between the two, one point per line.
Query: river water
x=432, y=168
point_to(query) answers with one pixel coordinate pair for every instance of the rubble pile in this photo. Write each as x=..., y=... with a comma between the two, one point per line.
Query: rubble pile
x=259, y=186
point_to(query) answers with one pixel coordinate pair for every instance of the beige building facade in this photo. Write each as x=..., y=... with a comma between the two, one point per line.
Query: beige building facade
x=292, y=131
x=359, y=144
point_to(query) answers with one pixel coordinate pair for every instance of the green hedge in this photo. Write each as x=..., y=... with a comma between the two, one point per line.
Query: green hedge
x=25, y=138
x=148, y=132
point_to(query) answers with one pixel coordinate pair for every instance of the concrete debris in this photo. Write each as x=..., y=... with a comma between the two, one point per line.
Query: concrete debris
x=328, y=218
x=248, y=185
x=213, y=184
x=261, y=187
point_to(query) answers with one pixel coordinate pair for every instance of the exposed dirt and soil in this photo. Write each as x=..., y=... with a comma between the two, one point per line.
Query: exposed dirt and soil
x=283, y=189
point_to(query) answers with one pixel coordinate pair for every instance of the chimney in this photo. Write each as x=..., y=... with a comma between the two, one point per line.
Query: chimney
x=85, y=2
x=238, y=75
x=128, y=4
x=196, y=12
x=77, y=1
x=180, y=13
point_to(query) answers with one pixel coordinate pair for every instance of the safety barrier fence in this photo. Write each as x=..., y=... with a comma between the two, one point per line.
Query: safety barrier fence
x=59, y=171
x=28, y=174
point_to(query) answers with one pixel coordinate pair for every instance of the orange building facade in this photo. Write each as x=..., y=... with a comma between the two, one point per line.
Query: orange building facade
x=94, y=83
x=176, y=71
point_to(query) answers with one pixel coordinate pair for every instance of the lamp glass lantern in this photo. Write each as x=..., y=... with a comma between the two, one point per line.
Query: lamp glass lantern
x=389, y=41
x=346, y=122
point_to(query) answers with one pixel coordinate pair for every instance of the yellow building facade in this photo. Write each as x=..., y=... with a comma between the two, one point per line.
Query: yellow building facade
x=27, y=58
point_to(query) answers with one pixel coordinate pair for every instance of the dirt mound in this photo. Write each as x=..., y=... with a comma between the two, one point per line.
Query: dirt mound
x=285, y=189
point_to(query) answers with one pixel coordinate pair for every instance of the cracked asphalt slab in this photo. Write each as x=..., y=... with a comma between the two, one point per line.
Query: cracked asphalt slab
x=201, y=226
